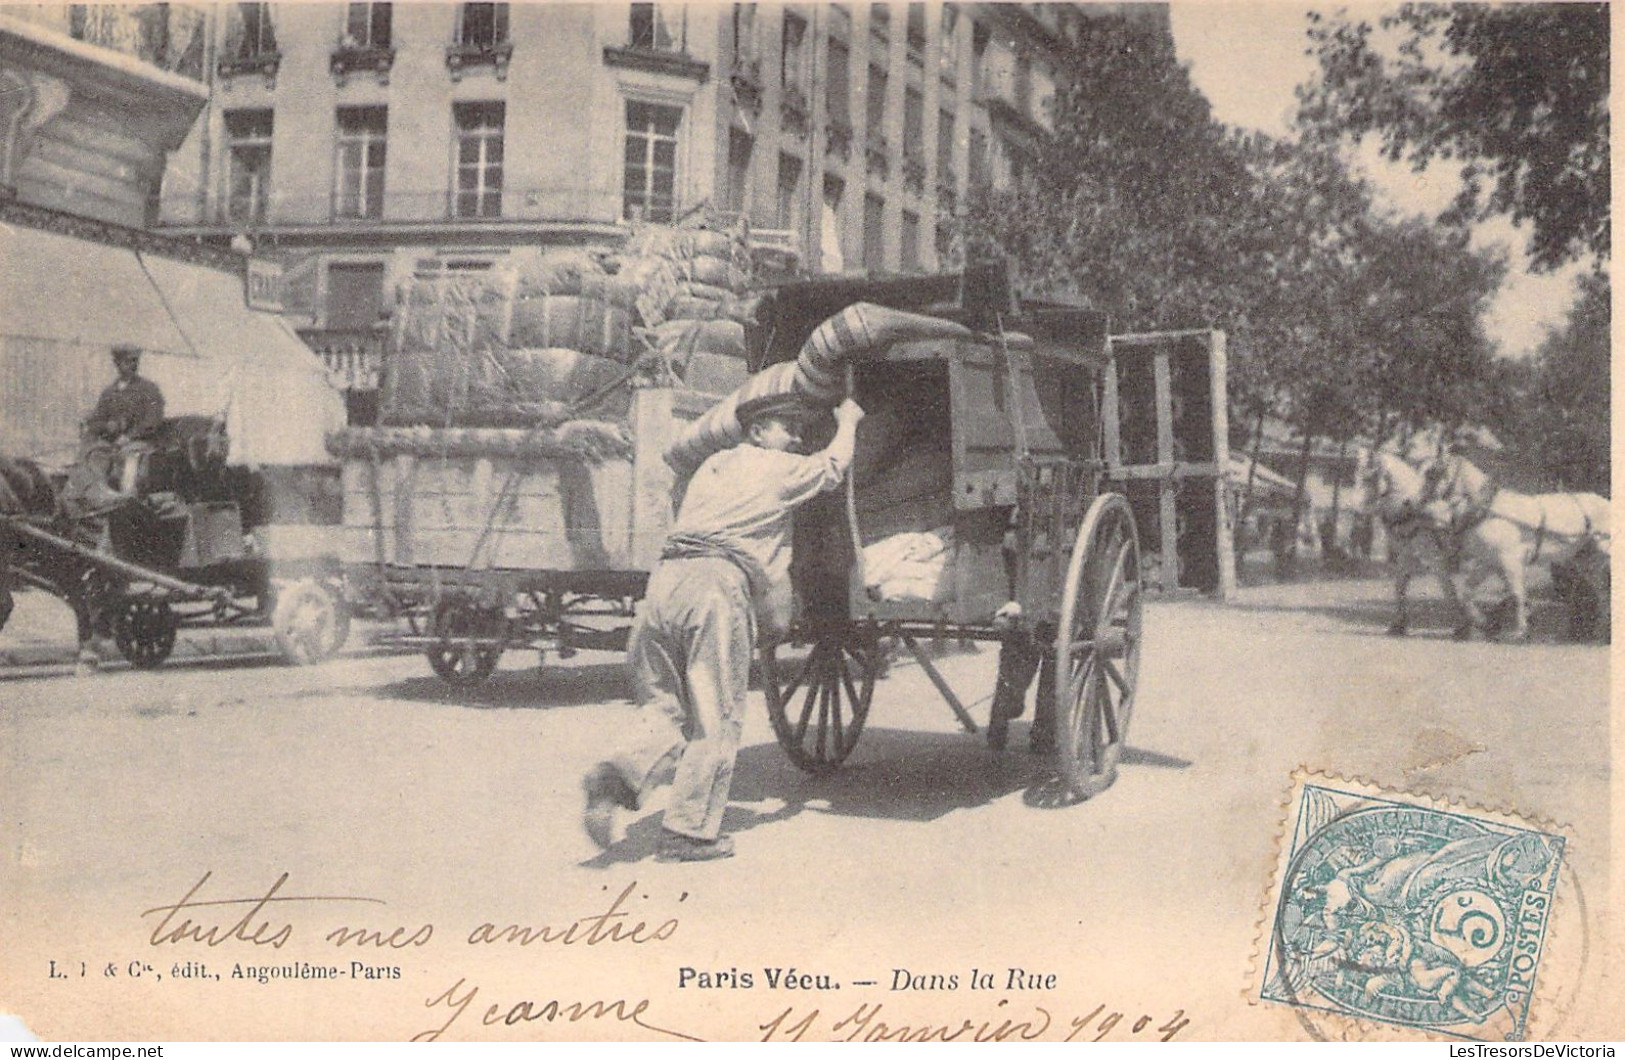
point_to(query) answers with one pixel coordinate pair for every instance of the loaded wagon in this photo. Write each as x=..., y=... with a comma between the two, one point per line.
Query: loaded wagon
x=978, y=508
x=514, y=495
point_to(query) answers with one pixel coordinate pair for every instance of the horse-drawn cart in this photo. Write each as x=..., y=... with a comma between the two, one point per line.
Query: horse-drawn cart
x=183, y=548
x=484, y=541
x=975, y=511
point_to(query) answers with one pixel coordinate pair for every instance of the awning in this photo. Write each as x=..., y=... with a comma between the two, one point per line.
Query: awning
x=67, y=300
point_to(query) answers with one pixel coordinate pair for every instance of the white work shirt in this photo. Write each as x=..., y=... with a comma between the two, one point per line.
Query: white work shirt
x=744, y=495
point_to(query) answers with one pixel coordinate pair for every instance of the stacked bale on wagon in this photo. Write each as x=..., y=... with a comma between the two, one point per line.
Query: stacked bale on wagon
x=570, y=330
x=505, y=434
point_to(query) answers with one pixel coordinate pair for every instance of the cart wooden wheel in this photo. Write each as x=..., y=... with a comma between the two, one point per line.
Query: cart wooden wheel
x=456, y=656
x=818, y=696
x=1097, y=647
x=310, y=623
x=144, y=630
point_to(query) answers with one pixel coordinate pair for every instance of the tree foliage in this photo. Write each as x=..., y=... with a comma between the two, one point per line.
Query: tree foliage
x=1340, y=319
x=1553, y=410
x=1516, y=93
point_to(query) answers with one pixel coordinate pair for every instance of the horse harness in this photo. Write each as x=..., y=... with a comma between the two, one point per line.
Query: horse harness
x=1474, y=514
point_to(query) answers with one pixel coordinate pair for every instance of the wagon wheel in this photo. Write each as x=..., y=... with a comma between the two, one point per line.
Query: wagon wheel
x=834, y=680
x=454, y=655
x=310, y=623
x=144, y=630
x=1097, y=647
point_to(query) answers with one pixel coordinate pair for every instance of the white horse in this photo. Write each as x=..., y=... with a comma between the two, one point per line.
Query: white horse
x=1396, y=493
x=1509, y=531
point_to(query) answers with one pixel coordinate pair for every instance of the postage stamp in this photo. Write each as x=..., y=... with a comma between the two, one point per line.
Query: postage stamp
x=1409, y=912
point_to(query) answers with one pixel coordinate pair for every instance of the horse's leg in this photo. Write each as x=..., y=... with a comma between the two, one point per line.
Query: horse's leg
x=1513, y=574
x=1402, y=620
x=1457, y=580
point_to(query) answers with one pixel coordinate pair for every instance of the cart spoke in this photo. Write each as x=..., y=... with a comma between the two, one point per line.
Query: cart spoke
x=801, y=673
x=1117, y=677
x=1108, y=711
x=837, y=733
x=825, y=690
x=806, y=712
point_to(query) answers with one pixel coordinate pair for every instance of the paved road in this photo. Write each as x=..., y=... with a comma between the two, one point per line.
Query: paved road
x=928, y=854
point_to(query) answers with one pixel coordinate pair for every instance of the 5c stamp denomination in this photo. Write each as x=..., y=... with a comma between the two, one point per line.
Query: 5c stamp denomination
x=1412, y=914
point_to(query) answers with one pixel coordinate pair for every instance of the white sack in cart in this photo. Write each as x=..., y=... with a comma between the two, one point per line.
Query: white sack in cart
x=911, y=567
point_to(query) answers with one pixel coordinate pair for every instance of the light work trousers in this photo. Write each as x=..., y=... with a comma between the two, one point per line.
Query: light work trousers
x=690, y=652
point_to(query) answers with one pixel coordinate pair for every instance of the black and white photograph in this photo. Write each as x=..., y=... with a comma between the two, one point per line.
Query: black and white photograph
x=806, y=521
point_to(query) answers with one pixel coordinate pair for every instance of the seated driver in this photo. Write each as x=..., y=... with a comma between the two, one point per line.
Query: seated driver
x=127, y=416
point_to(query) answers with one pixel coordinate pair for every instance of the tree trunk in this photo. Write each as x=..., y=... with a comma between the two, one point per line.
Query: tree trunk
x=1337, y=494
x=1300, y=495
x=1246, y=508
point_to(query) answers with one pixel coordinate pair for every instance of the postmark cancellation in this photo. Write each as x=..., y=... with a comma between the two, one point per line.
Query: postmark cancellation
x=1408, y=911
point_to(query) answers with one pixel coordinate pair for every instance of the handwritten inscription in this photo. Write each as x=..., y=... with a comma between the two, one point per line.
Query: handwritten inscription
x=267, y=920
x=460, y=996
x=873, y=1022
x=212, y=931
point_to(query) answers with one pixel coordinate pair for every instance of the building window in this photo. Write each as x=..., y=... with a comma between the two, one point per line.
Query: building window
x=916, y=33
x=877, y=104
x=910, y=248
x=355, y=296
x=980, y=36
x=651, y=162
x=978, y=173
x=744, y=32
x=737, y=196
x=830, y=256
x=478, y=191
x=359, y=168
x=367, y=26
x=880, y=23
x=947, y=51
x=482, y=26
x=913, y=121
x=659, y=27
x=945, y=144
x=258, y=39
x=838, y=86
x=874, y=235
x=793, y=62
x=788, y=214
x=248, y=139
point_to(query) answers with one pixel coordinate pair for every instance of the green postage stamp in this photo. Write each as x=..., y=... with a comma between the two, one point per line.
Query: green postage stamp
x=1397, y=910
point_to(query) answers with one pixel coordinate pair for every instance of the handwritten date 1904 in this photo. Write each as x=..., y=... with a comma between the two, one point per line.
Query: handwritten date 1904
x=864, y=1023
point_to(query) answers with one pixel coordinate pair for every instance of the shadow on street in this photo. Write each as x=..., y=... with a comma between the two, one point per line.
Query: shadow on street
x=894, y=774
x=574, y=686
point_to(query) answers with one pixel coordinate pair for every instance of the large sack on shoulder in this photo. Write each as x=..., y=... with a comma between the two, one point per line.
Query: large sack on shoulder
x=718, y=428
x=863, y=330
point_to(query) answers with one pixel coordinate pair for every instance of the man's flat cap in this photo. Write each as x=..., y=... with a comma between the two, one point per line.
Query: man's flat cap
x=782, y=406
x=125, y=349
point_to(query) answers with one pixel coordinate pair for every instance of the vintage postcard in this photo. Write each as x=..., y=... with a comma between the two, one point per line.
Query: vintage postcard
x=806, y=521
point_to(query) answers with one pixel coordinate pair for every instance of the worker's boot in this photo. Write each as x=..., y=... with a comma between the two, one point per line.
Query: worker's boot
x=606, y=790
